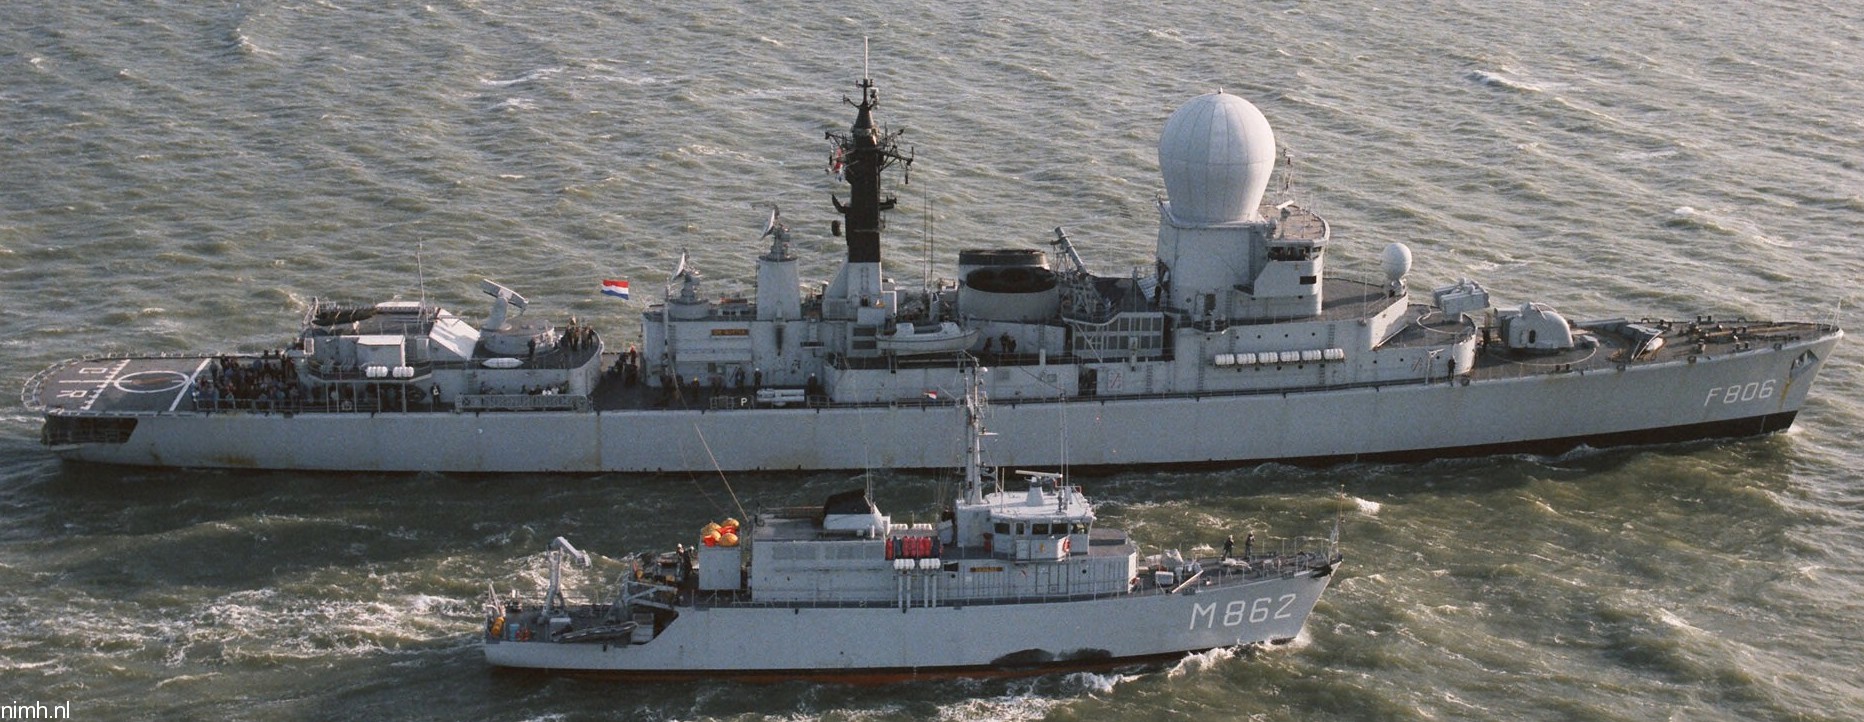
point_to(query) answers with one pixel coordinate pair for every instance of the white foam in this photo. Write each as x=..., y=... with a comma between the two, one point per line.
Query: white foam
x=1671, y=619
x=538, y=74
x=1499, y=80
x=1200, y=662
x=1022, y=705
x=185, y=678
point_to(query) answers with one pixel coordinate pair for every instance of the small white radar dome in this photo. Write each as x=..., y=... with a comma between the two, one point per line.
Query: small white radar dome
x=1216, y=154
x=1397, y=261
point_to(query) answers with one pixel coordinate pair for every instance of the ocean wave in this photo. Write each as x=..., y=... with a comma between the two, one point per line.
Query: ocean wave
x=1641, y=155
x=267, y=626
x=1201, y=662
x=1169, y=35
x=1687, y=217
x=529, y=77
x=1495, y=79
x=1012, y=707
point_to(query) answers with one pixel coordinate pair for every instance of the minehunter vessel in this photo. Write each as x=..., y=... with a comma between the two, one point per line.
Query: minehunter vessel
x=1235, y=346
x=1007, y=582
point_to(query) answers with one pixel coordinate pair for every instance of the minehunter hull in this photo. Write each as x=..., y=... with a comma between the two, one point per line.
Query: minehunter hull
x=889, y=642
x=1735, y=394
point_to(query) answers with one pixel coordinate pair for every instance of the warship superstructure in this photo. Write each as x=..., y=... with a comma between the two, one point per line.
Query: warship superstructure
x=1008, y=581
x=1236, y=346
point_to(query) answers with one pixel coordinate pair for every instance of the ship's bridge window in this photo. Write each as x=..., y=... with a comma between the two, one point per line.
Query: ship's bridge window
x=1040, y=530
x=1292, y=253
x=1003, y=527
x=1019, y=528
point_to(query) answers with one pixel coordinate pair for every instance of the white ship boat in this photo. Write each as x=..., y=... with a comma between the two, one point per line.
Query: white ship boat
x=908, y=340
x=1236, y=346
x=1010, y=581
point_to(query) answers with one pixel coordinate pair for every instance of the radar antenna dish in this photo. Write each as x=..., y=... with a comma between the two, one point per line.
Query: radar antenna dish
x=779, y=233
x=503, y=293
x=775, y=225
x=502, y=299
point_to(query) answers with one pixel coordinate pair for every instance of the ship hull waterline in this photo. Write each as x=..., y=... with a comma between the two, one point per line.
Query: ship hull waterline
x=889, y=643
x=1738, y=394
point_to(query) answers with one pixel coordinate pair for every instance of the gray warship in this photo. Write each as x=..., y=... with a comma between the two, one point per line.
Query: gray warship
x=1236, y=346
x=1008, y=582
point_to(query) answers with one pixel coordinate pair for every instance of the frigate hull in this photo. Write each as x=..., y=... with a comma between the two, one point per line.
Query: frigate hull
x=1736, y=394
x=1236, y=345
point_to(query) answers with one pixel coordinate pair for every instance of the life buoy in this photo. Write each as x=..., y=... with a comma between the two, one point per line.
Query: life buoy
x=524, y=634
x=1067, y=545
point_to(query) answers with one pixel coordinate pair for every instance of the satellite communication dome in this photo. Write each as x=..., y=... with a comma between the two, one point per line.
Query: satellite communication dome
x=1397, y=261
x=1216, y=154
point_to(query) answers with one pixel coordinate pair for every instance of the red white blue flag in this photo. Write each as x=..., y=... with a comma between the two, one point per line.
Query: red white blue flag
x=618, y=289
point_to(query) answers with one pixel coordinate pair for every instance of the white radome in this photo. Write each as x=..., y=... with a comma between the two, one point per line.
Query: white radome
x=1216, y=153
x=1396, y=260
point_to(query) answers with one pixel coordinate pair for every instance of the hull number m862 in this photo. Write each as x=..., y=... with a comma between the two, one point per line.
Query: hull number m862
x=1738, y=393
x=1243, y=610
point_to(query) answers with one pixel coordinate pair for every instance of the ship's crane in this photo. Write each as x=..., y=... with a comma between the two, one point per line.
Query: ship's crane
x=559, y=547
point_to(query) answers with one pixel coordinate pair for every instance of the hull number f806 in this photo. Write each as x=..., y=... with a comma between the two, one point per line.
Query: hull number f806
x=1738, y=393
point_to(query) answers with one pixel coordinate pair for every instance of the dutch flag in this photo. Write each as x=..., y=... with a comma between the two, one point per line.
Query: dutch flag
x=618, y=289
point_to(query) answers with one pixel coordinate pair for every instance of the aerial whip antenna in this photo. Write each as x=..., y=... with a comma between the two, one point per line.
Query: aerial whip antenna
x=720, y=470
x=926, y=280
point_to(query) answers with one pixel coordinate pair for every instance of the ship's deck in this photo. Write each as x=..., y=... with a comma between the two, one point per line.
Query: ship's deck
x=781, y=528
x=117, y=384
x=145, y=384
x=1601, y=348
x=1298, y=557
x=149, y=384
